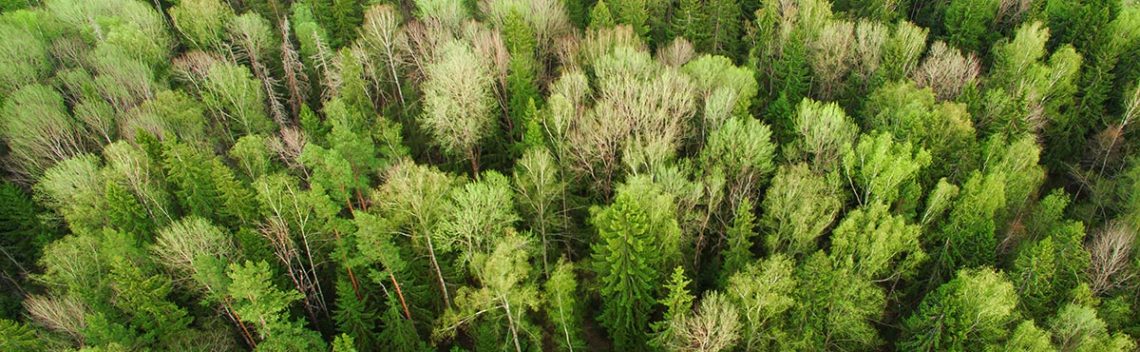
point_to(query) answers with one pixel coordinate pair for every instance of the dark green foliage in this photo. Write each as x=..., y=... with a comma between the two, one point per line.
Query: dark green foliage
x=339, y=17
x=22, y=237
x=626, y=265
x=968, y=23
x=968, y=239
x=205, y=186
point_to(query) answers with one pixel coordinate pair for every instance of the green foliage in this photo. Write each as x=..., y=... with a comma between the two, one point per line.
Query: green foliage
x=265, y=307
x=834, y=308
x=18, y=337
x=204, y=185
x=505, y=290
x=563, y=306
x=763, y=293
x=740, y=236
x=339, y=17
x=884, y=172
x=202, y=22
x=38, y=131
x=967, y=238
x=974, y=309
x=797, y=208
x=678, y=305
x=600, y=16
x=876, y=244
x=236, y=99
x=1077, y=328
x=23, y=57
x=823, y=132
x=968, y=23
x=628, y=267
x=912, y=114
x=490, y=175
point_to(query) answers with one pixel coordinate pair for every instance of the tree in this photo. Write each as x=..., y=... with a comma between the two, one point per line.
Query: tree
x=1077, y=328
x=38, y=131
x=678, y=305
x=505, y=291
x=414, y=198
x=15, y=336
x=968, y=23
x=739, y=252
x=912, y=114
x=23, y=57
x=202, y=22
x=627, y=267
x=541, y=193
x=742, y=152
x=763, y=293
x=265, y=307
x=947, y=71
x=834, y=307
x=237, y=100
x=458, y=110
x=205, y=187
x=975, y=309
x=477, y=213
x=563, y=306
x=879, y=170
x=876, y=244
x=714, y=326
x=967, y=238
x=340, y=17
x=600, y=16
x=797, y=208
x=823, y=131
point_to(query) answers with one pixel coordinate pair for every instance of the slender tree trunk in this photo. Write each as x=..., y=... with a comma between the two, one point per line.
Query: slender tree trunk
x=400, y=293
x=438, y=273
x=511, y=324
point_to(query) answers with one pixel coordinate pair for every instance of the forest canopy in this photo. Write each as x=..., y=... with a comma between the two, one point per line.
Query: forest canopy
x=569, y=175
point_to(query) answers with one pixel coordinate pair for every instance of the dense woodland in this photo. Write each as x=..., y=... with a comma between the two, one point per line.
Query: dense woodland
x=561, y=175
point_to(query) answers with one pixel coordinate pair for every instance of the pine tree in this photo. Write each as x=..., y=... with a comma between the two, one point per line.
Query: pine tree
x=967, y=239
x=522, y=70
x=15, y=336
x=143, y=298
x=600, y=16
x=968, y=23
x=678, y=305
x=258, y=302
x=353, y=317
x=834, y=308
x=627, y=267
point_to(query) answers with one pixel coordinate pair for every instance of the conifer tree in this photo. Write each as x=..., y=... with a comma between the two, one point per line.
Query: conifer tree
x=626, y=265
